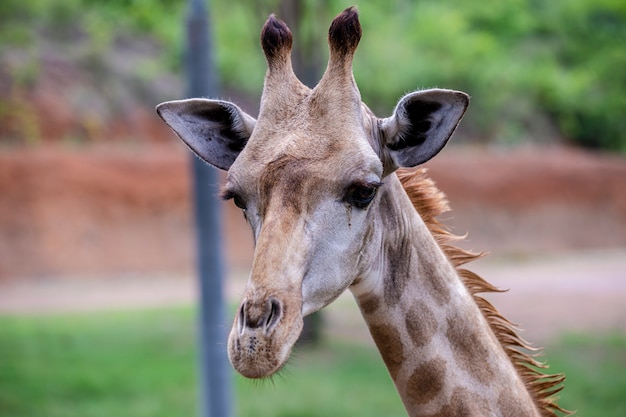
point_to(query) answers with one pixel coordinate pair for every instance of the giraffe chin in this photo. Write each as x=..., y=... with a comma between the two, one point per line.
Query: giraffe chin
x=256, y=353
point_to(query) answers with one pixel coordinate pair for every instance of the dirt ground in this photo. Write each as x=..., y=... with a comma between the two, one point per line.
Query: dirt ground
x=103, y=228
x=549, y=295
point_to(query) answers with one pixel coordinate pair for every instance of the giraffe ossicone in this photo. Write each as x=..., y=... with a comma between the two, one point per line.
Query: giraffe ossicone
x=316, y=175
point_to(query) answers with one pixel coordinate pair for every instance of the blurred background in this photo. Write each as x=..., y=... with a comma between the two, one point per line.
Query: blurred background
x=97, y=280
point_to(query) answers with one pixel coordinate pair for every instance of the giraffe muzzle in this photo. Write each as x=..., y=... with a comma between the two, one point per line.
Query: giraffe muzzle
x=263, y=334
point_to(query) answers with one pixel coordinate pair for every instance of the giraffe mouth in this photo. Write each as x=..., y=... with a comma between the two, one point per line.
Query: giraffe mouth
x=263, y=335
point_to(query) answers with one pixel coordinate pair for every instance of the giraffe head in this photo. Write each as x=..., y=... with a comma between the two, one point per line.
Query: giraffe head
x=307, y=174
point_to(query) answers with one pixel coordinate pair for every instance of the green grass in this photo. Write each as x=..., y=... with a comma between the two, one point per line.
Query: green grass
x=335, y=380
x=144, y=364
x=596, y=373
x=133, y=364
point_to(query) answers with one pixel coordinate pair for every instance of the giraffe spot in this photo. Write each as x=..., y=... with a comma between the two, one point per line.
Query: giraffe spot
x=389, y=345
x=398, y=251
x=464, y=403
x=426, y=381
x=470, y=349
x=421, y=324
x=435, y=284
x=369, y=305
x=398, y=273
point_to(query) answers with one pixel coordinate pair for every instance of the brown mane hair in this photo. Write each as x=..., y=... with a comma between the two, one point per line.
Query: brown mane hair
x=430, y=202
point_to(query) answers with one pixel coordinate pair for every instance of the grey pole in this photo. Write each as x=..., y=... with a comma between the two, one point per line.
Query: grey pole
x=215, y=376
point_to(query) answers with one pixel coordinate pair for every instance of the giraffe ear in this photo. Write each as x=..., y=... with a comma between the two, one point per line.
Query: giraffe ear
x=215, y=130
x=421, y=125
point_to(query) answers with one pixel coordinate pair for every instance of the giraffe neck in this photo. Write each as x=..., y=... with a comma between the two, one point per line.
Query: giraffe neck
x=438, y=348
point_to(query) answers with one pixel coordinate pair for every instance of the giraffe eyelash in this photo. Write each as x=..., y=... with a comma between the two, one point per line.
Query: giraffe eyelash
x=231, y=195
x=226, y=195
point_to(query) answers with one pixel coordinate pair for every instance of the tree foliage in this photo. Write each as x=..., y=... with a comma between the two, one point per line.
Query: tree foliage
x=534, y=68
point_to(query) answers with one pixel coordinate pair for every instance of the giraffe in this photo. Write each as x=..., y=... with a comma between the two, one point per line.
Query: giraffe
x=324, y=186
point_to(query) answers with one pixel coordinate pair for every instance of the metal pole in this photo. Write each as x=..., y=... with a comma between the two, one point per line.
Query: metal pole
x=215, y=376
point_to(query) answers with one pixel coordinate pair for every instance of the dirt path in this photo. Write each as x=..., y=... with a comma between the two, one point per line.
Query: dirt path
x=549, y=295
x=581, y=292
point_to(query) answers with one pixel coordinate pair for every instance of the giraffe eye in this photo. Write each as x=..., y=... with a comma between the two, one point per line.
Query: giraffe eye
x=229, y=195
x=360, y=195
x=239, y=202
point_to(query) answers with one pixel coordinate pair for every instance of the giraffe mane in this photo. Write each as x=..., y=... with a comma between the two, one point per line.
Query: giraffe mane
x=431, y=202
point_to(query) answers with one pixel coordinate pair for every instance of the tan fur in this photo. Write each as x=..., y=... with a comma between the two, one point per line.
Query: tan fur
x=430, y=202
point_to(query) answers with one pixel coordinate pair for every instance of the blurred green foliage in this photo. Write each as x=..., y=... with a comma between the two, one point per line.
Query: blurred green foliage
x=533, y=68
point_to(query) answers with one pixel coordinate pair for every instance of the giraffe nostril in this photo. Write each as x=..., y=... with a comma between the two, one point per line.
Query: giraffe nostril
x=275, y=313
x=241, y=322
x=264, y=315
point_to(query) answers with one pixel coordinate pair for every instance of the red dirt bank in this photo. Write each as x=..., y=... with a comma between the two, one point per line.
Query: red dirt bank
x=84, y=212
